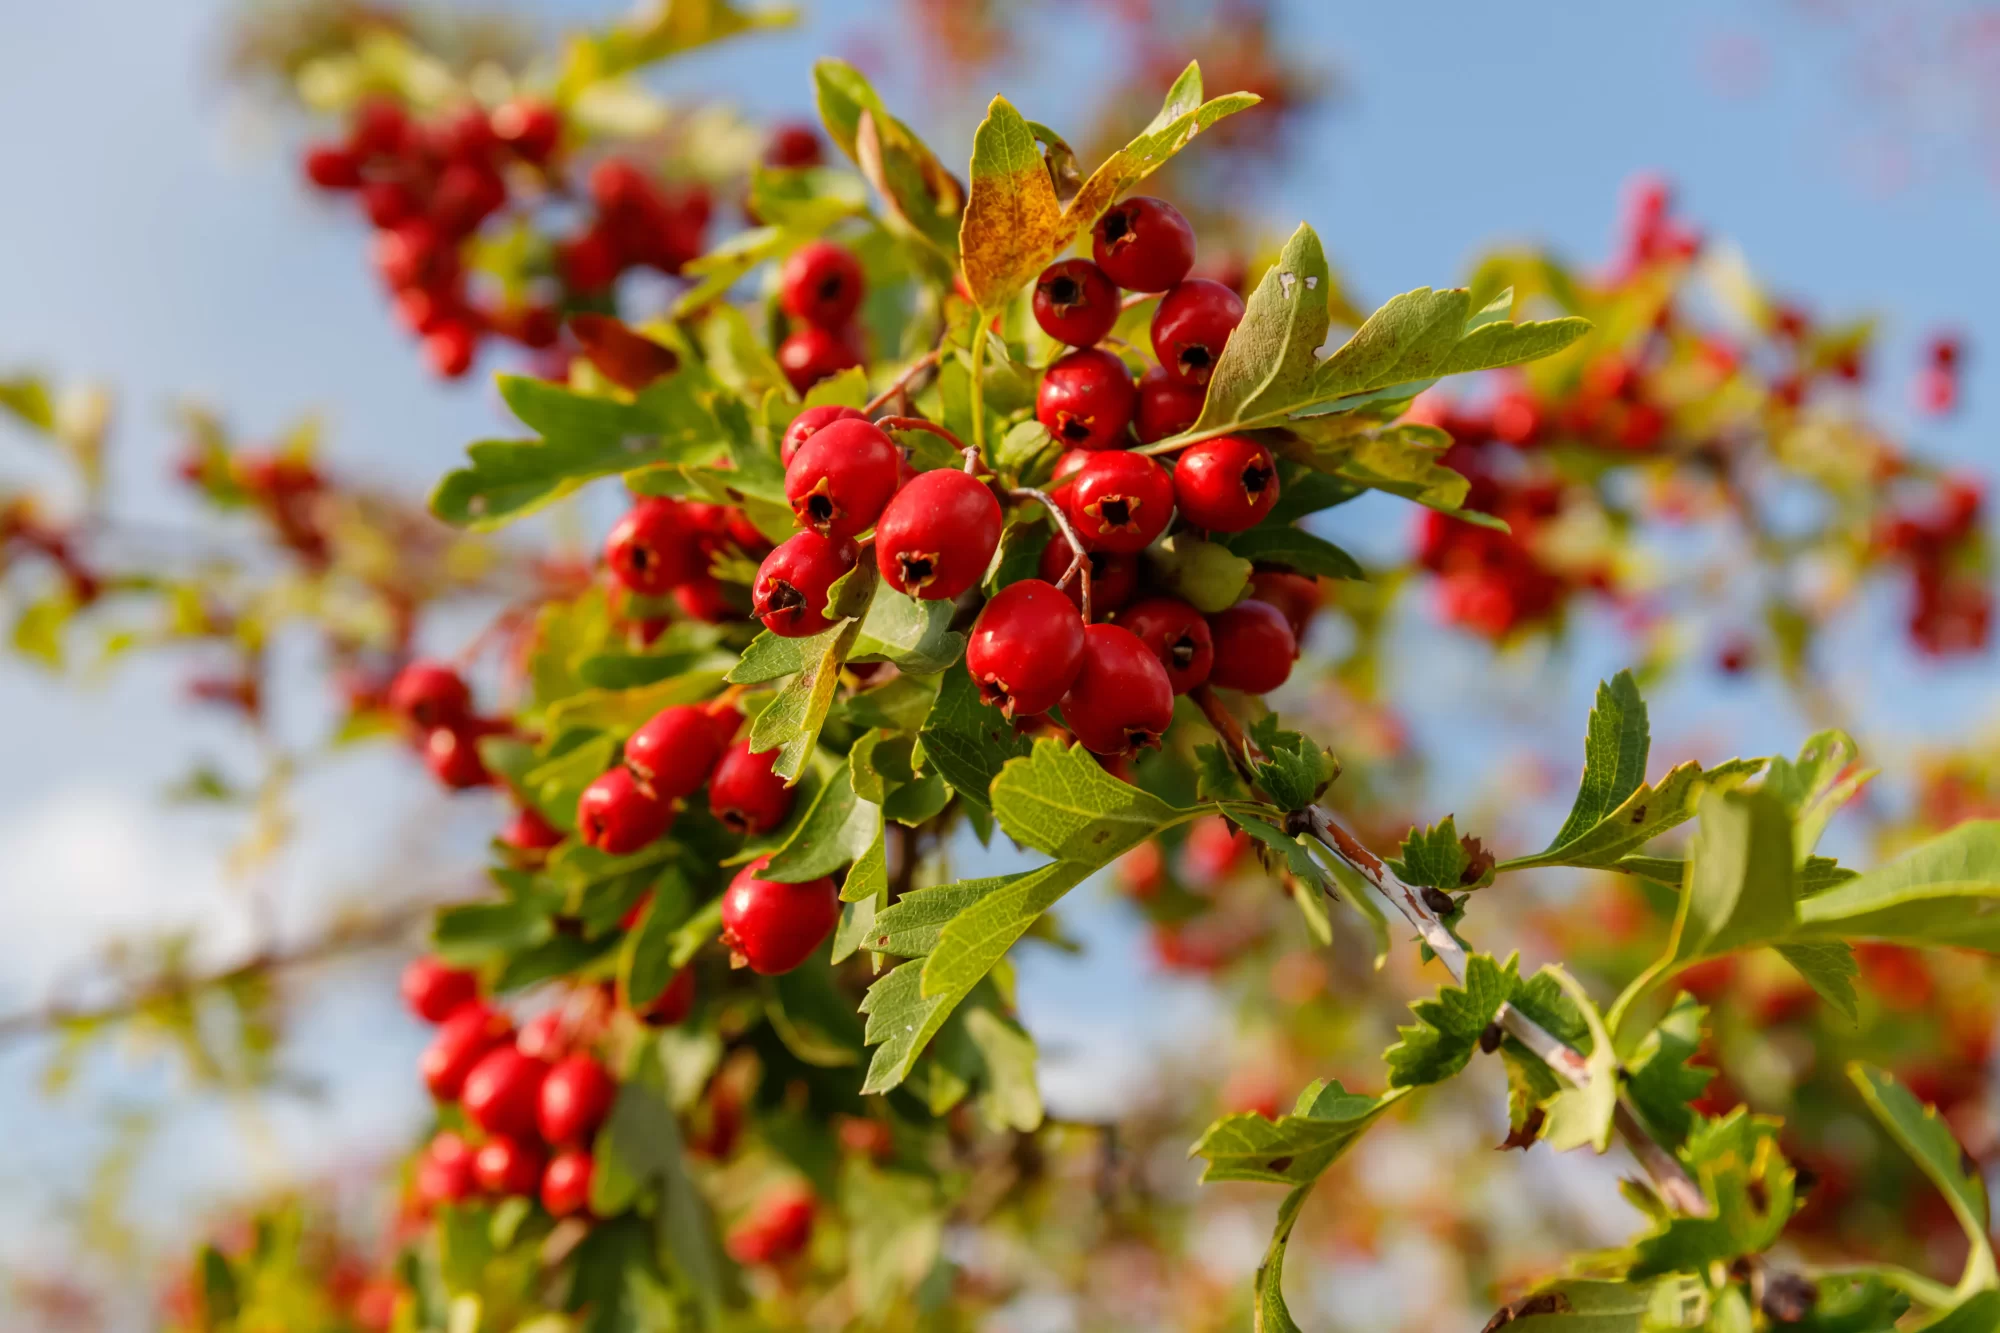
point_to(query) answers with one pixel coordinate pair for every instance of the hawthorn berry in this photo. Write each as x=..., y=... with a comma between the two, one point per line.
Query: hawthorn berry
x=444, y=1172
x=790, y=593
x=503, y=1092
x=566, y=1183
x=1026, y=648
x=450, y=348
x=427, y=694
x=1176, y=634
x=589, y=261
x=841, y=477
x=1075, y=302
x=381, y=129
x=546, y=1036
x=809, y=422
x=821, y=283
x=410, y=253
x=779, y=1227
x=1254, y=647
x=1114, y=575
x=1086, y=399
x=618, y=816
x=938, y=535
x=1225, y=484
x=1166, y=406
x=435, y=991
x=529, y=833
x=333, y=167
x=651, y=549
x=792, y=144
x=388, y=203
x=471, y=1031
x=1143, y=244
x=1121, y=700
x=745, y=793
x=528, y=126
x=774, y=927
x=1297, y=596
x=1191, y=328
x=673, y=1004
x=452, y=755
x=673, y=751
x=507, y=1166
x=813, y=354
x=1120, y=501
x=575, y=1098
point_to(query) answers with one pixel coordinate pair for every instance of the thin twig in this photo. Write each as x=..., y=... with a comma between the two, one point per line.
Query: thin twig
x=900, y=383
x=919, y=423
x=1079, y=563
x=1669, y=1177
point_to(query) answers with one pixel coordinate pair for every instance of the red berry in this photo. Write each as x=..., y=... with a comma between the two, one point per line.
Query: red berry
x=507, y=1166
x=789, y=595
x=813, y=354
x=589, y=261
x=444, y=1173
x=1120, y=501
x=1254, y=647
x=461, y=1040
x=1121, y=700
x=332, y=167
x=821, y=283
x=381, y=129
x=1026, y=648
x=566, y=1183
x=450, y=348
x=1225, y=484
x=529, y=127
x=1177, y=635
x=575, y=1099
x=388, y=203
x=546, y=1036
x=452, y=755
x=703, y=598
x=529, y=832
x=780, y=1227
x=1192, y=326
x=938, y=535
x=841, y=477
x=1068, y=464
x=1143, y=244
x=617, y=816
x=774, y=927
x=434, y=992
x=503, y=1091
x=468, y=135
x=466, y=195
x=808, y=423
x=427, y=694
x=1297, y=596
x=674, y=750
x=744, y=792
x=793, y=144
x=424, y=310
x=1166, y=407
x=652, y=548
x=409, y=254
x=1075, y=303
x=1114, y=575
x=1086, y=399
x=674, y=1003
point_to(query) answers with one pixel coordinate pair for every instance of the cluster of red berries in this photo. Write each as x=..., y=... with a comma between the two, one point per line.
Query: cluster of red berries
x=21, y=528
x=435, y=704
x=1937, y=384
x=1649, y=234
x=639, y=223
x=663, y=545
x=820, y=286
x=537, y=1103
x=1951, y=609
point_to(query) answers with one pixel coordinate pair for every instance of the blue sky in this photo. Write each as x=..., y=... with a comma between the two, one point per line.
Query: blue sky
x=155, y=238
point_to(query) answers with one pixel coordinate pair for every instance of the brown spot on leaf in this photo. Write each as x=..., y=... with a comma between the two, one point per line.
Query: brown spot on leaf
x=1639, y=814
x=1523, y=1136
x=1478, y=861
x=1278, y=1165
x=1547, y=1302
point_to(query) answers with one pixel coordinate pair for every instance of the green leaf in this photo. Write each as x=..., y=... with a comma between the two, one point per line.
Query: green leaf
x=870, y=876
x=1924, y=1135
x=914, y=634
x=975, y=940
x=1577, y=1116
x=1750, y=1185
x=1270, y=371
x=1615, y=745
x=838, y=829
x=647, y=966
x=1644, y=815
x=1822, y=779
x=656, y=32
x=1059, y=800
x=1449, y=1027
x=967, y=740
x=1313, y=877
x=1282, y=544
x=1294, y=770
x=1829, y=968
x=1015, y=223
x=895, y=1231
x=1294, y=1149
x=1008, y=1098
x=1268, y=1313
x=27, y=397
x=220, y=1298
x=1978, y=1313
x=1433, y=857
x=811, y=1016
x=772, y=657
x=1584, y=1306
x=1739, y=890
x=1942, y=893
x=924, y=199
x=791, y=723
x=1659, y=1079
x=910, y=927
